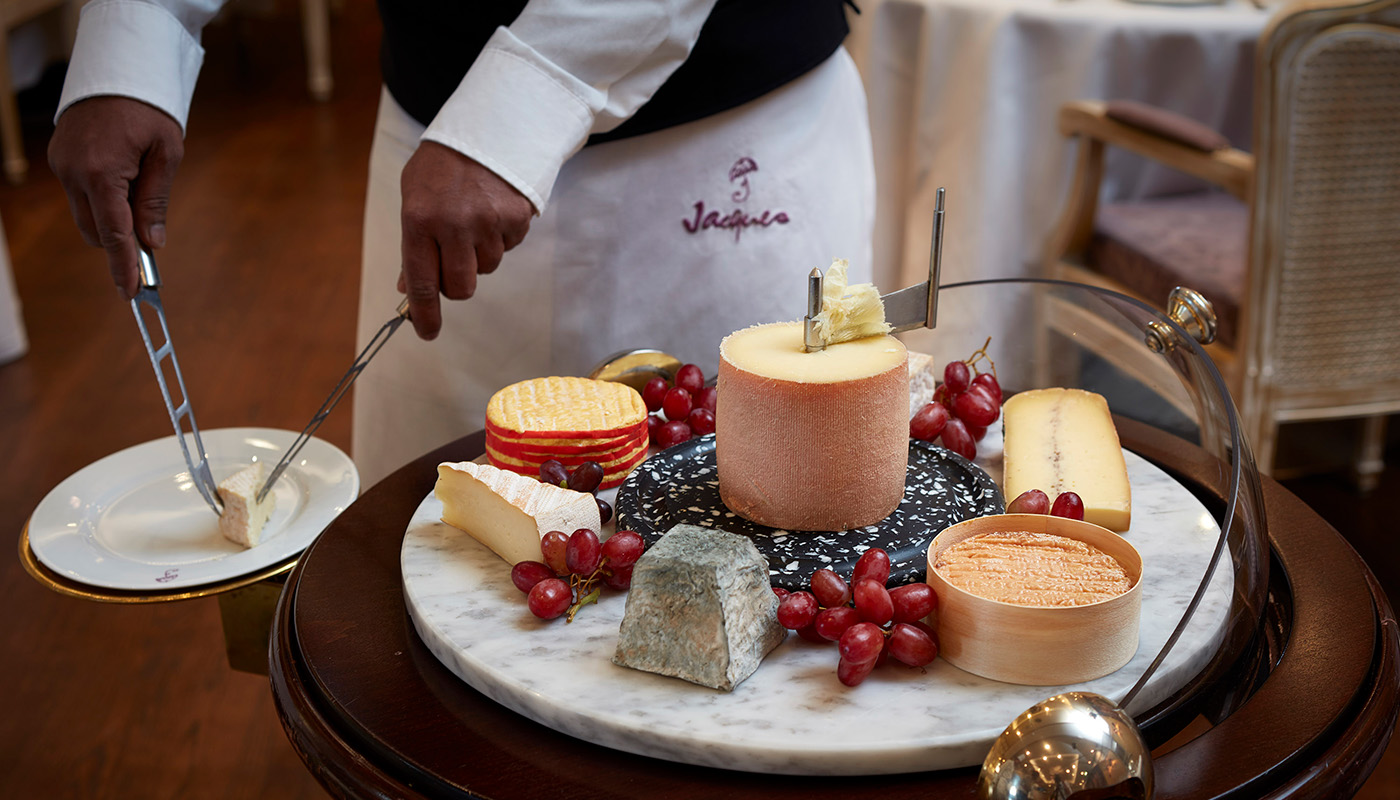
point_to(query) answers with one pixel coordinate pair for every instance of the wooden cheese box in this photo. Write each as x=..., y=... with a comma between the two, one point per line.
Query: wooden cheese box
x=1037, y=645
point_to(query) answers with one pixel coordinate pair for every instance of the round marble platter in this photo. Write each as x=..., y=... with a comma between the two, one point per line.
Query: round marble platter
x=791, y=716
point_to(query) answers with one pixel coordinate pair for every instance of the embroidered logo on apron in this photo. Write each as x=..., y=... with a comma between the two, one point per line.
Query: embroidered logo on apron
x=738, y=219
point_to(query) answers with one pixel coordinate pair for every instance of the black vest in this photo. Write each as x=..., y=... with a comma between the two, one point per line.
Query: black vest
x=746, y=49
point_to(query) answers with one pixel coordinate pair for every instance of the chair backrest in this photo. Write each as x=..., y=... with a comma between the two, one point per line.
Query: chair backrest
x=1323, y=312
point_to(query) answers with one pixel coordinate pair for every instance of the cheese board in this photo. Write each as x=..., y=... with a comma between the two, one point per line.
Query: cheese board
x=791, y=716
x=681, y=485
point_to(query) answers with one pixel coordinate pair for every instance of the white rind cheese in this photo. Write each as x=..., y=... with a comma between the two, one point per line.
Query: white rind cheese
x=1063, y=440
x=700, y=609
x=244, y=518
x=811, y=441
x=510, y=513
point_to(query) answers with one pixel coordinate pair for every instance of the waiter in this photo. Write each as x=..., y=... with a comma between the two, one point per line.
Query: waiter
x=663, y=172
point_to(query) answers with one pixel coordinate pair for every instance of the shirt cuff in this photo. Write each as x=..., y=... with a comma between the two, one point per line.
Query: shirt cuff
x=135, y=50
x=518, y=115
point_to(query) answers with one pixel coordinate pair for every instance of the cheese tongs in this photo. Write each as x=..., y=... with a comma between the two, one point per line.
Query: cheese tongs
x=380, y=338
x=906, y=309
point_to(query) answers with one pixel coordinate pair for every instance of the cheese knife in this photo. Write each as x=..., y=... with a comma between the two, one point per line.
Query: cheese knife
x=380, y=338
x=149, y=296
x=906, y=309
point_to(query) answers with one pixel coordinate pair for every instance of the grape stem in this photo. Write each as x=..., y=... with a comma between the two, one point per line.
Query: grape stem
x=980, y=354
x=591, y=597
x=587, y=589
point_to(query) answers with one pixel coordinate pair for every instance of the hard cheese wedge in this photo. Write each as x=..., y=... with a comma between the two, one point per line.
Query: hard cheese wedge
x=244, y=517
x=510, y=513
x=1063, y=440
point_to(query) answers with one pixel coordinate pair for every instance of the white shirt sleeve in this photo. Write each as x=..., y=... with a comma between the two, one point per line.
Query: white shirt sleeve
x=563, y=70
x=148, y=50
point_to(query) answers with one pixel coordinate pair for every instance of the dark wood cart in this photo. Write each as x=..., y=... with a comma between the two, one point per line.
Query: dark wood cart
x=374, y=715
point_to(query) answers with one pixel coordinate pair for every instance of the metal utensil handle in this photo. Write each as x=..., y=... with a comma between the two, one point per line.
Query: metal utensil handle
x=149, y=296
x=380, y=338
x=811, y=342
x=935, y=262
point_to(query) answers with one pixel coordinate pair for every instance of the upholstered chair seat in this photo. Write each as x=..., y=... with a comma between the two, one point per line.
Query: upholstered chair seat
x=1199, y=240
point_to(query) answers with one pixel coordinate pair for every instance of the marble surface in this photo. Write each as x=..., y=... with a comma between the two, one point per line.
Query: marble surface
x=791, y=716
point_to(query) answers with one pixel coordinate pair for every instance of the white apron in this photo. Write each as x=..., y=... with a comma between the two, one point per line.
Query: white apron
x=670, y=240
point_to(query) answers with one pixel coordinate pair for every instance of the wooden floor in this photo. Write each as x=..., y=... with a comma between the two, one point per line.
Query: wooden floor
x=100, y=701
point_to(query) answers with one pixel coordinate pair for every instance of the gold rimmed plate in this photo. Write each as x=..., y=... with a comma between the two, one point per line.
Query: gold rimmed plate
x=133, y=522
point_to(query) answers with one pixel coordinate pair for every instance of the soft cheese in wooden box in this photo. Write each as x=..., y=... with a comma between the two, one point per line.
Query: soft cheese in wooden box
x=1037, y=645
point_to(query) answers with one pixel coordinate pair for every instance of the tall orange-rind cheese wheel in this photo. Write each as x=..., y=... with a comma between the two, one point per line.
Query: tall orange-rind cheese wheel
x=811, y=441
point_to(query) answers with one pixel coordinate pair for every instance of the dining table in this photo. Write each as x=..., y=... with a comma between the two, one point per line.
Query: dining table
x=963, y=95
x=373, y=713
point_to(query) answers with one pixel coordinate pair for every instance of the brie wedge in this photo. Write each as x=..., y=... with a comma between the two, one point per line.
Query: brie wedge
x=510, y=513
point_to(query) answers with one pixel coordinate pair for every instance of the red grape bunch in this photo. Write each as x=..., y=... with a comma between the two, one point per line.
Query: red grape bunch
x=584, y=478
x=574, y=570
x=688, y=405
x=868, y=622
x=1035, y=501
x=963, y=405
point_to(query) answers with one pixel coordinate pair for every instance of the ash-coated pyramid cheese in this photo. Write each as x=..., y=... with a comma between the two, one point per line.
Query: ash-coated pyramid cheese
x=1064, y=440
x=565, y=408
x=811, y=441
x=510, y=513
x=700, y=608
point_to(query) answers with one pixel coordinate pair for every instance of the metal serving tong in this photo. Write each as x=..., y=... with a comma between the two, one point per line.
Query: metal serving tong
x=906, y=309
x=149, y=295
x=380, y=338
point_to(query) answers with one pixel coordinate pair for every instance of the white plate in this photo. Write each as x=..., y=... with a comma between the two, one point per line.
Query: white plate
x=134, y=520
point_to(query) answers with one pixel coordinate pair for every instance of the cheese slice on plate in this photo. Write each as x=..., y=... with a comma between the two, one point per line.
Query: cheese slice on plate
x=1063, y=440
x=244, y=517
x=510, y=513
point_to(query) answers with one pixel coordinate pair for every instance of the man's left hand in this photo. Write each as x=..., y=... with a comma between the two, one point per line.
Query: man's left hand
x=458, y=219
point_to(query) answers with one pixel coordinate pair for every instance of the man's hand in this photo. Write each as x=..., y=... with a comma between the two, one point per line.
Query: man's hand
x=116, y=158
x=458, y=219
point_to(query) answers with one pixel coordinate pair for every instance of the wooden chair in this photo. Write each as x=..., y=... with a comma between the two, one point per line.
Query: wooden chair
x=1298, y=250
x=14, y=13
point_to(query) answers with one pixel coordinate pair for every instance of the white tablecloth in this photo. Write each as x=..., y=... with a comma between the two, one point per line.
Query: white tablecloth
x=964, y=94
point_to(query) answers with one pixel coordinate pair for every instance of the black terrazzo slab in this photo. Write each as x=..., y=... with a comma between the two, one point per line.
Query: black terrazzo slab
x=681, y=484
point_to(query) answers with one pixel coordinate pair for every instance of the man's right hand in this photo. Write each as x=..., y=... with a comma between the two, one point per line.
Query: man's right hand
x=116, y=158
